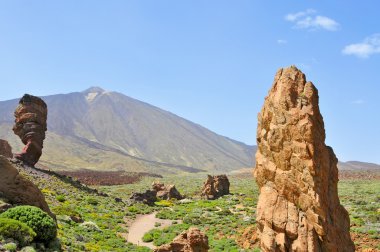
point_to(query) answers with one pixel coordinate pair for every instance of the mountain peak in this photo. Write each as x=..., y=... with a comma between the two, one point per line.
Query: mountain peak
x=94, y=90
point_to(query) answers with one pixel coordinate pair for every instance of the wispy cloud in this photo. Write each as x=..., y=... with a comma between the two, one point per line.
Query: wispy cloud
x=295, y=16
x=309, y=20
x=281, y=41
x=364, y=49
x=358, y=102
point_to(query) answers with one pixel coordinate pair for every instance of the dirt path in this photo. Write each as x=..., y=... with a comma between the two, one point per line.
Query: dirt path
x=143, y=224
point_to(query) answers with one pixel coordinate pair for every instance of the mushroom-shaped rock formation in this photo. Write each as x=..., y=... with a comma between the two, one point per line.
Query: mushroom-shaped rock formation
x=5, y=149
x=30, y=126
x=192, y=240
x=298, y=208
x=216, y=186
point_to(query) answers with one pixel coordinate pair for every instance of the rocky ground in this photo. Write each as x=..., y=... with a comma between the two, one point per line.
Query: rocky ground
x=91, y=177
x=90, y=220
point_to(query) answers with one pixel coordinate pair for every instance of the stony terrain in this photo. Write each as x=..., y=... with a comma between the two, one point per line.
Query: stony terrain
x=226, y=221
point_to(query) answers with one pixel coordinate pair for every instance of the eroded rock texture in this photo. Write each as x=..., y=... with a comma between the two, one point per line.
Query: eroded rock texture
x=216, y=186
x=298, y=207
x=192, y=240
x=166, y=192
x=18, y=190
x=5, y=149
x=30, y=126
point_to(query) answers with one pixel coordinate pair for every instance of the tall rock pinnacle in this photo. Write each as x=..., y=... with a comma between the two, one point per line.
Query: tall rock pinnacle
x=298, y=207
x=30, y=126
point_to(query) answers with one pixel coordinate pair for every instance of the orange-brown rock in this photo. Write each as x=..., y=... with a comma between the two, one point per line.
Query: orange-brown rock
x=216, y=186
x=166, y=192
x=298, y=207
x=248, y=238
x=5, y=149
x=30, y=126
x=192, y=240
x=17, y=189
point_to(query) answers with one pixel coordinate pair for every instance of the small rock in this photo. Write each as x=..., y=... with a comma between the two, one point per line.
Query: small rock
x=185, y=201
x=192, y=240
x=166, y=192
x=148, y=197
x=215, y=187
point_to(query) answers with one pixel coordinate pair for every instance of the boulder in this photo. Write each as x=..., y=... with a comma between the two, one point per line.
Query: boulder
x=5, y=149
x=192, y=240
x=216, y=186
x=30, y=126
x=148, y=197
x=248, y=238
x=166, y=192
x=18, y=190
x=298, y=207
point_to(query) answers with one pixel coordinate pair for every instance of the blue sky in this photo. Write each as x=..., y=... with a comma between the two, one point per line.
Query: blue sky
x=211, y=62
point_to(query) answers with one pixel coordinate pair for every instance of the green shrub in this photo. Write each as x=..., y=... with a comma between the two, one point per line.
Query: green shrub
x=16, y=230
x=60, y=198
x=10, y=247
x=132, y=209
x=38, y=220
x=66, y=210
x=92, y=201
x=148, y=237
x=164, y=203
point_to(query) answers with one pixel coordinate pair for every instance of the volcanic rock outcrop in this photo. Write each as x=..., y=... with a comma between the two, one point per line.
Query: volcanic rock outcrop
x=159, y=191
x=192, y=240
x=148, y=197
x=30, y=126
x=166, y=192
x=216, y=186
x=298, y=207
x=17, y=189
x=5, y=149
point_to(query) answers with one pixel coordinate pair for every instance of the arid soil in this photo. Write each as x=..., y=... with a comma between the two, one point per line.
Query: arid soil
x=142, y=225
x=107, y=178
x=359, y=175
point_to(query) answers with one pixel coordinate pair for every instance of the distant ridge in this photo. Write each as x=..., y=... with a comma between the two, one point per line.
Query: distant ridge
x=358, y=166
x=103, y=130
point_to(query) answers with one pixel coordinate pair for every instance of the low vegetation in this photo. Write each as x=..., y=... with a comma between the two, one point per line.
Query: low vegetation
x=88, y=221
x=16, y=230
x=41, y=223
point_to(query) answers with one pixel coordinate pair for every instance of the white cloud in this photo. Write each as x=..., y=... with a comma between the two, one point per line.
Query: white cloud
x=281, y=41
x=369, y=46
x=308, y=20
x=293, y=17
x=358, y=102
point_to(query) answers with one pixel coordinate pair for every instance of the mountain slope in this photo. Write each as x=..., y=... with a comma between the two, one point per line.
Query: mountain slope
x=96, y=129
x=358, y=166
